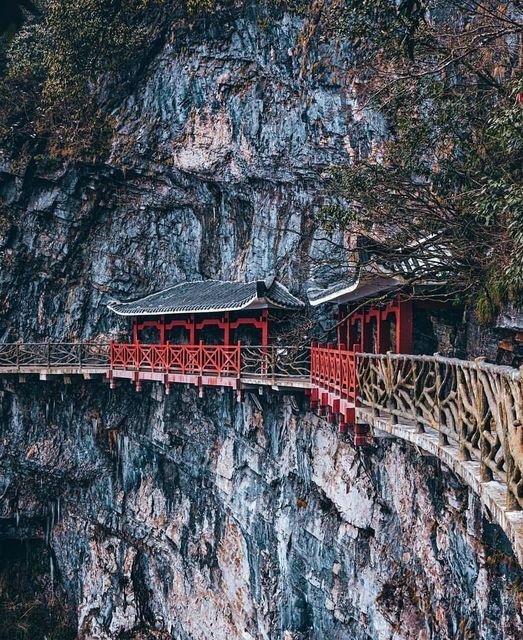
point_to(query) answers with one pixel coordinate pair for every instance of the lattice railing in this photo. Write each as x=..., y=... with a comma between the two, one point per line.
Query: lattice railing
x=202, y=359
x=54, y=354
x=249, y=361
x=334, y=370
x=477, y=405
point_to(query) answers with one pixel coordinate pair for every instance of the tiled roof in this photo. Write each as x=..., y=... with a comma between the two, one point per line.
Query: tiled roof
x=210, y=296
x=422, y=264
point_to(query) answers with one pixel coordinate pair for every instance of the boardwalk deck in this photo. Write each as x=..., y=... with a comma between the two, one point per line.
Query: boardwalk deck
x=467, y=413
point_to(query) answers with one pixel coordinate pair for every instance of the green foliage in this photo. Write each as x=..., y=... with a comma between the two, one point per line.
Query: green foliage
x=196, y=7
x=48, y=95
x=90, y=37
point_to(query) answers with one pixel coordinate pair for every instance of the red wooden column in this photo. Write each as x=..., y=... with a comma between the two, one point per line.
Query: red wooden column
x=265, y=327
x=379, y=329
x=343, y=326
x=227, y=329
x=404, y=326
x=135, y=330
x=362, y=332
x=351, y=333
x=161, y=329
x=192, y=330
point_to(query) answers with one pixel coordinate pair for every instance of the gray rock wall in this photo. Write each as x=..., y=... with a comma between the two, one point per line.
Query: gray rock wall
x=198, y=518
x=204, y=518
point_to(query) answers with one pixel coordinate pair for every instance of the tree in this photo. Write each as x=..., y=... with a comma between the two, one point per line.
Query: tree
x=446, y=76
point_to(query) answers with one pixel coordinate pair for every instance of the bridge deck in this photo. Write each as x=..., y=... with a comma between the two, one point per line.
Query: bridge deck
x=63, y=370
x=247, y=381
x=429, y=401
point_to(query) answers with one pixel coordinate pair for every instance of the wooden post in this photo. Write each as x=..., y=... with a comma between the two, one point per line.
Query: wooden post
x=464, y=453
x=512, y=503
x=200, y=360
x=442, y=437
x=265, y=327
x=391, y=404
x=378, y=332
x=192, y=330
x=404, y=326
x=161, y=327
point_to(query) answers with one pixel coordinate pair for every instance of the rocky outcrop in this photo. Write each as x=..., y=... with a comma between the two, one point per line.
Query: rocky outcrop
x=215, y=171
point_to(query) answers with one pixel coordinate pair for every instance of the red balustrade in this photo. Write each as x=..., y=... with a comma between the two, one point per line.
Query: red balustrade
x=334, y=390
x=210, y=360
x=334, y=370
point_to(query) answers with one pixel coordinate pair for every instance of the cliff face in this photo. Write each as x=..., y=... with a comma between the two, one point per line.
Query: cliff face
x=203, y=518
x=214, y=171
x=200, y=518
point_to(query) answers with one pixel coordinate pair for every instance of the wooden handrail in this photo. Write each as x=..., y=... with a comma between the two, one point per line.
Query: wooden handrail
x=473, y=403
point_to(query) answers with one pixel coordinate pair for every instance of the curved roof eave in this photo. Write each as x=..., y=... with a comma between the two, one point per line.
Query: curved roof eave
x=178, y=311
x=330, y=297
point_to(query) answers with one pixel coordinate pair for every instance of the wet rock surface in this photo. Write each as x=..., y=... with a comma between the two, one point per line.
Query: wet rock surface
x=187, y=518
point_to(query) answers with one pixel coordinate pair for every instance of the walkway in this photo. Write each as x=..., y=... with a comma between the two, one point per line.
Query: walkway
x=467, y=413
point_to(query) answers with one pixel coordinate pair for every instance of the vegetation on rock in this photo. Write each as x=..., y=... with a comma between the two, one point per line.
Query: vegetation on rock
x=60, y=71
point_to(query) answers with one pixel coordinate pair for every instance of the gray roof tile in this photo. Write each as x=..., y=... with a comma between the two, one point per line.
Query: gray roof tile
x=210, y=296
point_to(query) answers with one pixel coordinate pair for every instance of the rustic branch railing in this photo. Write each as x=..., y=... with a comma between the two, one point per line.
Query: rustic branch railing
x=478, y=406
x=54, y=354
x=275, y=362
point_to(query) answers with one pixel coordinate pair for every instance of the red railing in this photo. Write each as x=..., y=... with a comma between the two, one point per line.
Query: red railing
x=215, y=360
x=334, y=370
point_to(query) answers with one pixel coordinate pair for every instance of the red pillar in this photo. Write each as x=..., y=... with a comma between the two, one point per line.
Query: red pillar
x=135, y=330
x=265, y=327
x=227, y=330
x=192, y=331
x=161, y=328
x=351, y=333
x=341, y=325
x=404, y=326
x=378, y=332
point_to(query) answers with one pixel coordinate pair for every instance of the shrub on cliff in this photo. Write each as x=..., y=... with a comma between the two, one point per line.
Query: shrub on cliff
x=61, y=69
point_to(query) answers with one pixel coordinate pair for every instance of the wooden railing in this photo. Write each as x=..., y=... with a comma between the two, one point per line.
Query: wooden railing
x=478, y=406
x=275, y=362
x=236, y=360
x=54, y=354
x=334, y=370
x=200, y=359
